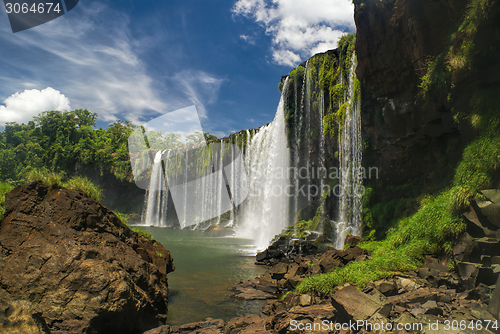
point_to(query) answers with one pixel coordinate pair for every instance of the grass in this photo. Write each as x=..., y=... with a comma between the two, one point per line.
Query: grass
x=48, y=178
x=85, y=186
x=55, y=180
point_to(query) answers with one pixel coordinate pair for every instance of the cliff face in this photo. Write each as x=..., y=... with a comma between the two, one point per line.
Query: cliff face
x=396, y=41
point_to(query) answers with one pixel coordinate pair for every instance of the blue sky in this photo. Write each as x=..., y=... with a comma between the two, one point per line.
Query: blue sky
x=135, y=60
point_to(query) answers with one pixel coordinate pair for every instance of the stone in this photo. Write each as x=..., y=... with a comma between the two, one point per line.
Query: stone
x=249, y=324
x=386, y=288
x=491, y=208
x=494, y=306
x=278, y=271
x=21, y=317
x=309, y=315
x=468, y=272
x=351, y=253
x=418, y=296
x=253, y=294
x=359, y=305
x=353, y=240
x=305, y=300
x=78, y=265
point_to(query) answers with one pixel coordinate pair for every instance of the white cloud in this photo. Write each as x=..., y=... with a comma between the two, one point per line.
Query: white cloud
x=300, y=28
x=21, y=107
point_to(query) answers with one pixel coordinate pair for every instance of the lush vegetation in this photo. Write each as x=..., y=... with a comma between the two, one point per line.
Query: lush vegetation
x=63, y=142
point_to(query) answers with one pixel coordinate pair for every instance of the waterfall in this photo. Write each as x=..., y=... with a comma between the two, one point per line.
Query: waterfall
x=351, y=189
x=157, y=196
x=265, y=212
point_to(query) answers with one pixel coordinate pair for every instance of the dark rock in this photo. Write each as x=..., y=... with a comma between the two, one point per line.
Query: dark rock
x=278, y=271
x=78, y=265
x=352, y=240
x=494, y=306
x=308, y=316
x=351, y=253
x=359, y=305
x=468, y=272
x=249, y=324
x=386, y=288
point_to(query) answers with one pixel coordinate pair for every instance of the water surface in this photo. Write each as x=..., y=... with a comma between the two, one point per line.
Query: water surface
x=205, y=270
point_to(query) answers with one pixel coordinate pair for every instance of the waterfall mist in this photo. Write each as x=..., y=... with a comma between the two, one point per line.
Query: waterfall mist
x=266, y=211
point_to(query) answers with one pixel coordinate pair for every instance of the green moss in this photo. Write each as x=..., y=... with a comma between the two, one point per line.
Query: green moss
x=280, y=86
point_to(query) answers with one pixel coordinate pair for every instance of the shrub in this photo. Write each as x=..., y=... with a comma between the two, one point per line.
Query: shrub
x=49, y=179
x=85, y=186
x=4, y=188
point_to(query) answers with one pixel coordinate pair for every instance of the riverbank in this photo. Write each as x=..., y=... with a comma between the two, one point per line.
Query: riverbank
x=433, y=299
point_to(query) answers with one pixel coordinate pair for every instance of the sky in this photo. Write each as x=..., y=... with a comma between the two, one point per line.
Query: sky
x=136, y=60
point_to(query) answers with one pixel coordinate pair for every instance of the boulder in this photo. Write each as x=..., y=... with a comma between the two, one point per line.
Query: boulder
x=74, y=266
x=353, y=240
x=494, y=307
x=359, y=305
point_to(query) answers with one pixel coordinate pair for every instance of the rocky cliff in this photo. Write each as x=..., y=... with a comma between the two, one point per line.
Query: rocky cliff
x=421, y=65
x=69, y=265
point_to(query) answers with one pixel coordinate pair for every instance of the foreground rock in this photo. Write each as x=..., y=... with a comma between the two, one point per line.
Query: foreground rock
x=69, y=265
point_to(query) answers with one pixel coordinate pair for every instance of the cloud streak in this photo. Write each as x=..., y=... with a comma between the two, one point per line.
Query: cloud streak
x=300, y=28
x=95, y=60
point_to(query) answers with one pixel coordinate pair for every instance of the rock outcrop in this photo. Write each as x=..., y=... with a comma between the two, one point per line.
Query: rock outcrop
x=69, y=265
x=410, y=135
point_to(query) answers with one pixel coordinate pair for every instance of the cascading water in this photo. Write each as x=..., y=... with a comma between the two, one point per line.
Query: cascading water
x=350, y=164
x=265, y=213
x=157, y=196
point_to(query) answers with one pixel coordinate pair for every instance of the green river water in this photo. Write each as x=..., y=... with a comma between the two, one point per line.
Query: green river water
x=205, y=270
